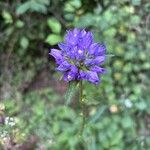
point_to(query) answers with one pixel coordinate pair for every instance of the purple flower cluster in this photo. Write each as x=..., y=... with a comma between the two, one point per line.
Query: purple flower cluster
x=80, y=58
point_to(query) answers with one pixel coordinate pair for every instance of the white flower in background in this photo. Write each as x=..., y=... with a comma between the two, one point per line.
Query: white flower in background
x=128, y=103
x=3, y=134
x=10, y=121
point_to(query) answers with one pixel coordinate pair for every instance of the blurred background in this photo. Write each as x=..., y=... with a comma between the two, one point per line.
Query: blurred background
x=32, y=111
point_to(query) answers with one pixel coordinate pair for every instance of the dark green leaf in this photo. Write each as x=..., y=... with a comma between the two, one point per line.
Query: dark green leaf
x=23, y=8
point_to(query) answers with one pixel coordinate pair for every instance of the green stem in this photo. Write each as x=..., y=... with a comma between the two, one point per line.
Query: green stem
x=81, y=101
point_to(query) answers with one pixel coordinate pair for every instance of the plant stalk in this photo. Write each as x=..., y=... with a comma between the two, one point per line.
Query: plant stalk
x=81, y=101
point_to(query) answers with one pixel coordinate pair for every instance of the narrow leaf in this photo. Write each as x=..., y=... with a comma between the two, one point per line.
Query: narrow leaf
x=70, y=92
x=98, y=114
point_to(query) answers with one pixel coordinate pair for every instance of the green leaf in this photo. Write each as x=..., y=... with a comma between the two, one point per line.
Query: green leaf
x=53, y=39
x=111, y=32
x=141, y=105
x=24, y=42
x=76, y=3
x=98, y=114
x=135, y=20
x=91, y=144
x=69, y=8
x=116, y=138
x=19, y=24
x=23, y=8
x=32, y=5
x=69, y=16
x=136, y=2
x=38, y=7
x=127, y=122
x=70, y=92
x=85, y=21
x=7, y=17
x=54, y=25
x=45, y=2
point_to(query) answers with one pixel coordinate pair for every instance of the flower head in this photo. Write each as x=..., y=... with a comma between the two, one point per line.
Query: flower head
x=80, y=58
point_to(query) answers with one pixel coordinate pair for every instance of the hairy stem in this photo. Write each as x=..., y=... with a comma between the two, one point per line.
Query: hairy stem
x=81, y=100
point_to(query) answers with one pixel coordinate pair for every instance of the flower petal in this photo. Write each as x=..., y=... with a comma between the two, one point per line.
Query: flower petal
x=69, y=76
x=88, y=39
x=74, y=69
x=101, y=50
x=82, y=75
x=93, y=48
x=79, y=53
x=57, y=54
x=99, y=60
x=64, y=66
x=96, y=61
x=97, y=49
x=98, y=69
x=64, y=47
x=85, y=39
x=72, y=74
x=93, y=77
x=72, y=37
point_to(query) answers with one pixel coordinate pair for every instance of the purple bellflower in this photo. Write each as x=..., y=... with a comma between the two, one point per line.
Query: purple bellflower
x=80, y=58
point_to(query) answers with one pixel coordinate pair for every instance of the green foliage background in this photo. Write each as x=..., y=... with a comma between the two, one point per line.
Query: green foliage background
x=118, y=114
